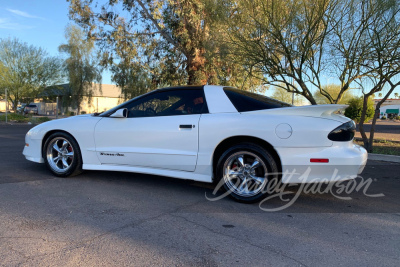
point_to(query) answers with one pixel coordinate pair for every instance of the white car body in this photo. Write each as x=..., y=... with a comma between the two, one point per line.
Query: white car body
x=156, y=145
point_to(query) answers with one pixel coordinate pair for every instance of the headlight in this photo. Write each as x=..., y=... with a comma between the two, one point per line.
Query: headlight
x=344, y=132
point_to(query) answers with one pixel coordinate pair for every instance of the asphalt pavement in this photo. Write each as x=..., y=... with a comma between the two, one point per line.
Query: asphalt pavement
x=384, y=129
x=126, y=219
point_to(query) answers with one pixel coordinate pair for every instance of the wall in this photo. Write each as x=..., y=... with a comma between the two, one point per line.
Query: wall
x=382, y=111
x=98, y=104
x=2, y=106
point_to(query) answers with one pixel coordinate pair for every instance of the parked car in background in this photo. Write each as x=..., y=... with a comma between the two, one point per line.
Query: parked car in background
x=21, y=108
x=31, y=108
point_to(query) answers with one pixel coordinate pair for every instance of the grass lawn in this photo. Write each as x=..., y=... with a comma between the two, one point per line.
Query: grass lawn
x=13, y=117
x=384, y=147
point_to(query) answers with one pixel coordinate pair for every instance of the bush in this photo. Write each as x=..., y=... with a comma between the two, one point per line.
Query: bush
x=383, y=118
x=71, y=113
x=397, y=117
x=353, y=111
x=83, y=112
x=39, y=119
x=14, y=117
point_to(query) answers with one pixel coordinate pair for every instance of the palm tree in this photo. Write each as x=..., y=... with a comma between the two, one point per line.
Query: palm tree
x=396, y=95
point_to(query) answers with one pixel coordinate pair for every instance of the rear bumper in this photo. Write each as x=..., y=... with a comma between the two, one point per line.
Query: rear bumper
x=346, y=161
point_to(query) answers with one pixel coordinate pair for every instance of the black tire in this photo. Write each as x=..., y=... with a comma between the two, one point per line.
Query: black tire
x=58, y=166
x=267, y=169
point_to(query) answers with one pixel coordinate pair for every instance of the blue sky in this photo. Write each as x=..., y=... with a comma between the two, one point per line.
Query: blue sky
x=37, y=22
x=42, y=23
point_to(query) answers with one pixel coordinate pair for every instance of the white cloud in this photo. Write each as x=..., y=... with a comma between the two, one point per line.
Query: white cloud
x=23, y=14
x=9, y=25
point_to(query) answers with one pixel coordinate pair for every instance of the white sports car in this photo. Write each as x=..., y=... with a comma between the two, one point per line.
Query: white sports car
x=205, y=133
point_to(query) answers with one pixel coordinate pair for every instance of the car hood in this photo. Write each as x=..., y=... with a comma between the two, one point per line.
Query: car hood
x=72, y=125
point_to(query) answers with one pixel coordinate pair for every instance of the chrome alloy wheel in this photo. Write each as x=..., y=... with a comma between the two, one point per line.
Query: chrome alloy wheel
x=60, y=154
x=245, y=173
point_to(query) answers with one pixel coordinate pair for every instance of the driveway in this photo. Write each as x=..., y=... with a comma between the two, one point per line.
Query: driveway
x=125, y=219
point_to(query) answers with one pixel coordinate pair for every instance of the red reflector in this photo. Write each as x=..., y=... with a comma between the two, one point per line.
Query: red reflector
x=320, y=160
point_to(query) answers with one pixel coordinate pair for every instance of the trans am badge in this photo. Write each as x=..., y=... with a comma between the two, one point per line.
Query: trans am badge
x=112, y=154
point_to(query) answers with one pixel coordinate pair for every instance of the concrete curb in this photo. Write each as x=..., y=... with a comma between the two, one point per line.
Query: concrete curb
x=380, y=157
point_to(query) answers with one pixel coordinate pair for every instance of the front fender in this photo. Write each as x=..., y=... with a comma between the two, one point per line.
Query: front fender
x=80, y=127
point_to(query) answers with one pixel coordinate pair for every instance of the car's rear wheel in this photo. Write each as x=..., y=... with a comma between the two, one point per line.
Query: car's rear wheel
x=245, y=170
x=62, y=155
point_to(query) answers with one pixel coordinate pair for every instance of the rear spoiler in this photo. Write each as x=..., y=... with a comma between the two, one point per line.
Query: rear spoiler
x=311, y=110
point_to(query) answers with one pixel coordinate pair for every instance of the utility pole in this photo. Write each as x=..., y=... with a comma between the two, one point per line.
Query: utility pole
x=293, y=98
x=293, y=92
x=57, y=109
x=6, y=105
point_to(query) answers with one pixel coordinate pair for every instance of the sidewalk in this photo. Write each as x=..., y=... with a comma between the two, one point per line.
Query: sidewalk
x=386, y=158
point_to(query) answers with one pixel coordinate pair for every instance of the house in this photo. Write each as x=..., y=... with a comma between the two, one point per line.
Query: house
x=389, y=111
x=389, y=101
x=3, y=105
x=108, y=97
x=389, y=108
x=103, y=98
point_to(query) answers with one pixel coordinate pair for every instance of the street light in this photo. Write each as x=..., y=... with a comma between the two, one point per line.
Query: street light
x=327, y=79
x=6, y=105
x=293, y=92
x=57, y=109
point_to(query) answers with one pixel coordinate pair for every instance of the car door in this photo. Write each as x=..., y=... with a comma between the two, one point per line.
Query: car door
x=161, y=131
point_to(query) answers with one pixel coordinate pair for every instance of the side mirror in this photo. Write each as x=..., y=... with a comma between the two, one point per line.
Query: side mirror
x=120, y=113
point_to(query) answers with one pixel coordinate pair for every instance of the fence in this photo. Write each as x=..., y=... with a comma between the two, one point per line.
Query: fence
x=48, y=109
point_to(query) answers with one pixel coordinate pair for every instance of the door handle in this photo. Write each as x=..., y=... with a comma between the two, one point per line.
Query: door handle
x=186, y=126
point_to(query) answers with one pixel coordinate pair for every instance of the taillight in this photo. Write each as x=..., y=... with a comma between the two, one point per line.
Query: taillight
x=344, y=132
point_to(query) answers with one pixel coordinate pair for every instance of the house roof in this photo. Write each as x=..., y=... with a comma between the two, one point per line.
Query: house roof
x=107, y=90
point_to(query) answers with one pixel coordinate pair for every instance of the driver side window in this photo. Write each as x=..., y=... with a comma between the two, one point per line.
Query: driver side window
x=168, y=103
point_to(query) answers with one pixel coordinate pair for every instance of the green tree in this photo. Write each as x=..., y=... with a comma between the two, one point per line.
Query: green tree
x=333, y=90
x=132, y=79
x=81, y=65
x=282, y=95
x=153, y=32
x=171, y=42
x=293, y=43
x=355, y=108
x=281, y=41
x=377, y=54
x=287, y=97
x=26, y=70
x=363, y=46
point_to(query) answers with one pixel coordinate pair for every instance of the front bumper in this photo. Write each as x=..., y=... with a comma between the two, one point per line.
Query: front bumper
x=33, y=151
x=346, y=161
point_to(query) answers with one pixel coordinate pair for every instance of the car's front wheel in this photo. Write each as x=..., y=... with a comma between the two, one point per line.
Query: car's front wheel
x=245, y=170
x=62, y=155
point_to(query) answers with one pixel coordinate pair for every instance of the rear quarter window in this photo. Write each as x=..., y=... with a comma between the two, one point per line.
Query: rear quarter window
x=247, y=101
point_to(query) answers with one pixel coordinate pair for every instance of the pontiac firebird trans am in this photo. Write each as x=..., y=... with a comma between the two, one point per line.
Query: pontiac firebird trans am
x=205, y=133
